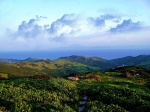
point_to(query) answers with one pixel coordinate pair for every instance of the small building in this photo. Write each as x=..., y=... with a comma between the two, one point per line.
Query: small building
x=73, y=78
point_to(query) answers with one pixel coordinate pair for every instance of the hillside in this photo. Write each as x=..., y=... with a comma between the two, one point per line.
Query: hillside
x=55, y=68
x=90, y=61
x=67, y=65
x=141, y=60
x=30, y=59
x=34, y=85
x=133, y=70
x=9, y=60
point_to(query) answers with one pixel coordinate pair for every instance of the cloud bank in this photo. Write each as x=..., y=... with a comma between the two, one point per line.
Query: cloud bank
x=75, y=30
x=127, y=26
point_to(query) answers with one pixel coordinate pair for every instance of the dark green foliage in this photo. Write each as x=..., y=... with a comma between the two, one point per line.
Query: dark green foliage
x=97, y=106
x=106, y=97
x=58, y=94
x=141, y=60
x=41, y=76
x=108, y=92
x=133, y=70
x=38, y=95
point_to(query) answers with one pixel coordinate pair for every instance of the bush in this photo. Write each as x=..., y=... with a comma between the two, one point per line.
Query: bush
x=41, y=76
x=95, y=77
x=127, y=74
x=4, y=76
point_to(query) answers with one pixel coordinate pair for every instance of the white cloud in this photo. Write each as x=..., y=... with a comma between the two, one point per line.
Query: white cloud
x=127, y=26
x=75, y=30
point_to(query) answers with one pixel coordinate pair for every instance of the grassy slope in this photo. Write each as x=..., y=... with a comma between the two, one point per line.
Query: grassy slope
x=133, y=70
x=113, y=93
x=90, y=61
x=141, y=61
x=54, y=68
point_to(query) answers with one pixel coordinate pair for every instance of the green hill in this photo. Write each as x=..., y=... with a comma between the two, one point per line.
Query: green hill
x=141, y=60
x=54, y=68
x=90, y=61
x=95, y=91
x=67, y=65
x=31, y=59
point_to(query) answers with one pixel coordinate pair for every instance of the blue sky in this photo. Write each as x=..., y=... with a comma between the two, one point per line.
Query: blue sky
x=32, y=25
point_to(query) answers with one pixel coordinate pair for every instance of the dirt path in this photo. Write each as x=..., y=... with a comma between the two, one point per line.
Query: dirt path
x=83, y=102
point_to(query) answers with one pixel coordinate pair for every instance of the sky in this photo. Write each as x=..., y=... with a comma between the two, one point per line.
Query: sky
x=42, y=25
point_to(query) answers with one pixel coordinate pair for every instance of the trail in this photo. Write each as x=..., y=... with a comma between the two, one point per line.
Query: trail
x=83, y=102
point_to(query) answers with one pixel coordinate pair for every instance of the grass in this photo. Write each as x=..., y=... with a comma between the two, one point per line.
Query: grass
x=61, y=95
x=111, y=93
x=55, y=68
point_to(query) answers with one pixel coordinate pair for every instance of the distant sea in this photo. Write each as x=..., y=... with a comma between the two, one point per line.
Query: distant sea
x=105, y=54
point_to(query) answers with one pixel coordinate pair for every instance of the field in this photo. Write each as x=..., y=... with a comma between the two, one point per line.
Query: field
x=111, y=93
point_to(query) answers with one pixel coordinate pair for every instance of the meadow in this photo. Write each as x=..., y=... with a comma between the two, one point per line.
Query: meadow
x=112, y=93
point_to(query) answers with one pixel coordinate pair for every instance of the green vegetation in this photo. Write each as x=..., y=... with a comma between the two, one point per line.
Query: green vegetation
x=90, y=61
x=116, y=93
x=141, y=61
x=41, y=86
x=54, y=68
x=39, y=95
x=133, y=71
x=115, y=98
x=3, y=76
x=43, y=93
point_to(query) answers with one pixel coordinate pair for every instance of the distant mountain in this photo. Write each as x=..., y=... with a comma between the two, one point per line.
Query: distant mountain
x=141, y=60
x=67, y=65
x=90, y=61
x=9, y=60
x=31, y=59
x=32, y=67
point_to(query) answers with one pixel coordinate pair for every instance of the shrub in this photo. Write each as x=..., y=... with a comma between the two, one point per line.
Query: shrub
x=3, y=76
x=127, y=74
x=95, y=77
x=41, y=76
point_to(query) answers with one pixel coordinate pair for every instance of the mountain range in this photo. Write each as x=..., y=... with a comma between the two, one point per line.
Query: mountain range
x=103, y=64
x=141, y=60
x=64, y=66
